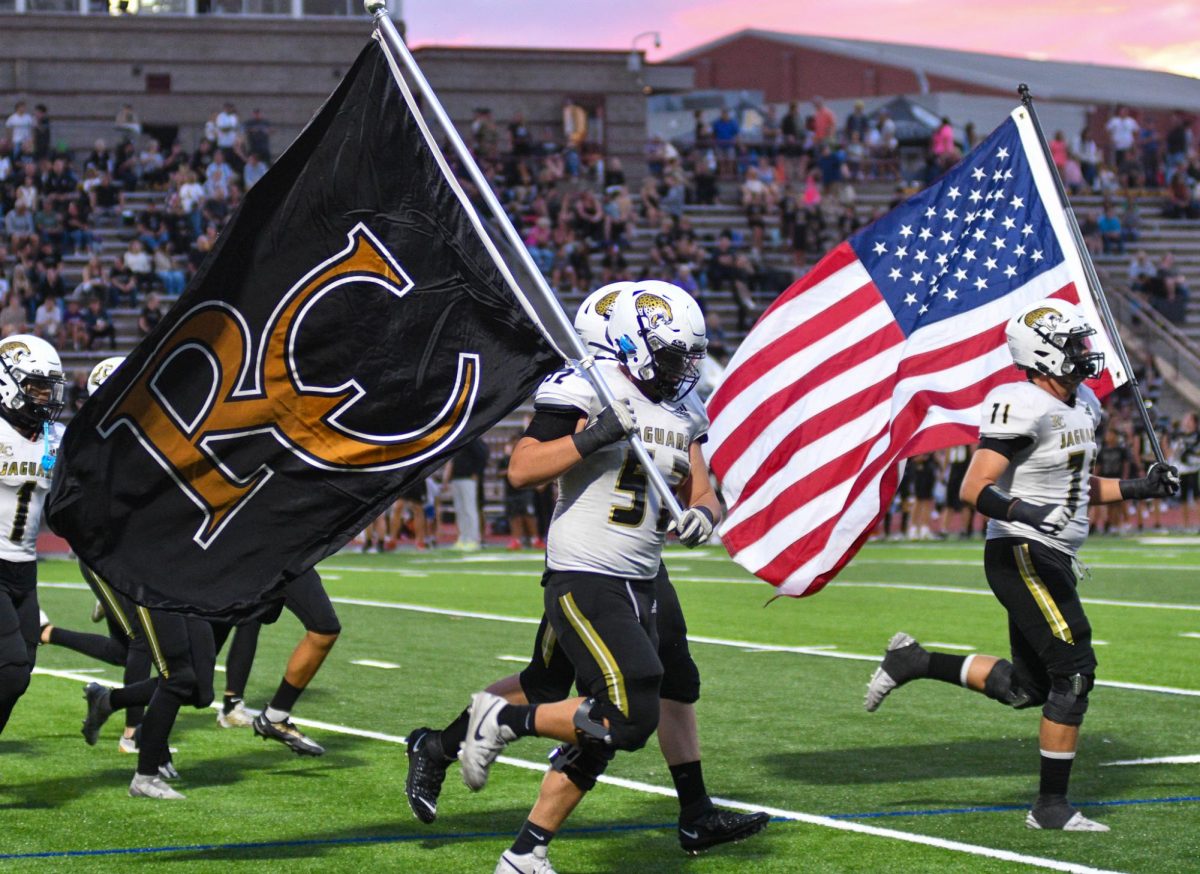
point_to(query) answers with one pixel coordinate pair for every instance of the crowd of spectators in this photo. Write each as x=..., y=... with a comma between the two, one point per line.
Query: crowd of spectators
x=51, y=198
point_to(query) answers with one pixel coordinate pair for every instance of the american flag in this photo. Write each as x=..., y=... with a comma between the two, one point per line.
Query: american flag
x=885, y=350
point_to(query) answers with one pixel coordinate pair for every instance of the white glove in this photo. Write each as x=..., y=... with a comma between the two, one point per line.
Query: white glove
x=695, y=525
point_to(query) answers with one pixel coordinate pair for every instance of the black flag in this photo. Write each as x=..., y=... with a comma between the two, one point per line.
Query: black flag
x=347, y=334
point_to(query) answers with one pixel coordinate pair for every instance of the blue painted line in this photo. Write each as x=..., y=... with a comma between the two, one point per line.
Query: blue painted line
x=323, y=842
x=998, y=808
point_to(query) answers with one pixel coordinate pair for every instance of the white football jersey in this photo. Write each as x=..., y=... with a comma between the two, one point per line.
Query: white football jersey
x=607, y=519
x=1056, y=467
x=23, y=487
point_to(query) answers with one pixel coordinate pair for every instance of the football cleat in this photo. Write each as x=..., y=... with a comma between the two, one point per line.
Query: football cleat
x=1062, y=817
x=426, y=772
x=99, y=708
x=719, y=827
x=153, y=787
x=97, y=612
x=167, y=770
x=904, y=660
x=128, y=745
x=287, y=734
x=486, y=737
x=238, y=717
x=525, y=863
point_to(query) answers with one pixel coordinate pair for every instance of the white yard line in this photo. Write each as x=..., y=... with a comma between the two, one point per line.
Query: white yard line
x=959, y=646
x=1163, y=760
x=521, y=660
x=650, y=789
x=372, y=663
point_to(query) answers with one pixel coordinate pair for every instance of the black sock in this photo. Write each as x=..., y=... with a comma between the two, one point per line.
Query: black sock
x=946, y=667
x=230, y=702
x=531, y=836
x=1056, y=774
x=518, y=717
x=689, y=786
x=453, y=735
x=285, y=697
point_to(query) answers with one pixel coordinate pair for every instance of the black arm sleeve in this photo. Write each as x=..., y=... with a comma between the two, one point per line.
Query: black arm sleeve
x=1006, y=446
x=550, y=423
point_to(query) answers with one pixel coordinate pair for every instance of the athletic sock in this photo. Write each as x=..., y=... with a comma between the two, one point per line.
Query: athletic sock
x=689, y=786
x=282, y=703
x=946, y=667
x=1055, y=775
x=518, y=717
x=453, y=735
x=531, y=836
x=230, y=702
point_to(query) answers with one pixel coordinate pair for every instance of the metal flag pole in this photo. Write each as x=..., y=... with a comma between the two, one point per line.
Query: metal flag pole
x=560, y=330
x=1089, y=270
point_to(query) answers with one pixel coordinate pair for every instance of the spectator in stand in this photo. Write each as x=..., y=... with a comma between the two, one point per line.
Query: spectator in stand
x=756, y=201
x=78, y=228
x=29, y=190
x=1141, y=270
x=12, y=316
x=6, y=164
x=1167, y=290
x=1111, y=237
x=78, y=391
x=1060, y=151
x=228, y=126
x=1122, y=134
x=127, y=121
x=824, y=122
x=1089, y=158
x=618, y=215
x=218, y=177
x=99, y=324
x=150, y=165
x=100, y=158
x=1113, y=459
x=1150, y=145
x=106, y=197
x=41, y=132
x=258, y=136
x=151, y=315
x=575, y=132
x=945, y=152
x=20, y=128
x=704, y=177
x=50, y=228
x=771, y=137
x=19, y=226
x=122, y=284
x=1181, y=202
x=857, y=123
x=140, y=264
x=172, y=278
x=152, y=227
x=1178, y=144
x=51, y=284
x=74, y=329
x=1089, y=229
x=725, y=135
x=47, y=321
x=254, y=170
x=127, y=166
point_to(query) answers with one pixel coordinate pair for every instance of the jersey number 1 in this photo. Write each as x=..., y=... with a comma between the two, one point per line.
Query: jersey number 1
x=21, y=515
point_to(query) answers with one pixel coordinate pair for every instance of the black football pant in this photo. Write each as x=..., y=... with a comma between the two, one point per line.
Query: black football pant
x=18, y=632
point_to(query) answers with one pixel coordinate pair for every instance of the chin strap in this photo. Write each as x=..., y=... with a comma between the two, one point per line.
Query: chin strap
x=47, y=458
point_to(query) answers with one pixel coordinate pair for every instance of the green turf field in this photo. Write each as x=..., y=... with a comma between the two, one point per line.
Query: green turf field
x=937, y=780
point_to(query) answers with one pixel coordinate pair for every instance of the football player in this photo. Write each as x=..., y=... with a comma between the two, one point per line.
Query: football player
x=1030, y=477
x=603, y=552
x=124, y=645
x=550, y=675
x=31, y=397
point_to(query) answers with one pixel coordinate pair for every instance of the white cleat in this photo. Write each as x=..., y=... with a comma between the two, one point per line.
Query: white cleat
x=486, y=738
x=1076, y=823
x=238, y=717
x=526, y=863
x=885, y=678
x=153, y=787
x=127, y=745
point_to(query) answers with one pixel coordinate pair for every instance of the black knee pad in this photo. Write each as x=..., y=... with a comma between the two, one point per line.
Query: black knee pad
x=681, y=677
x=14, y=680
x=1068, y=699
x=629, y=730
x=582, y=765
x=1003, y=685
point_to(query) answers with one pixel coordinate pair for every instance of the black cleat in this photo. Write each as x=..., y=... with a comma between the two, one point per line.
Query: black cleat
x=99, y=708
x=287, y=734
x=904, y=660
x=719, y=827
x=426, y=770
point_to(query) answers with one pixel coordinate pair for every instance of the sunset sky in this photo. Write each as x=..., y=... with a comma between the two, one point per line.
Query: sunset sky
x=1163, y=35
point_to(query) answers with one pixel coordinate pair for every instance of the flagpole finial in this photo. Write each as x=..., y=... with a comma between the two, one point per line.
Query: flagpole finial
x=1023, y=91
x=375, y=7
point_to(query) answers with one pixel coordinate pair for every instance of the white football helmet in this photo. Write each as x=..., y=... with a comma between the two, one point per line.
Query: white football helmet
x=103, y=371
x=657, y=330
x=32, y=384
x=1050, y=337
x=591, y=322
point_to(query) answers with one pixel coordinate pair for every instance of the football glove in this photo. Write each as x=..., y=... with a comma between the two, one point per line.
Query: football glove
x=1046, y=518
x=614, y=424
x=1160, y=481
x=695, y=526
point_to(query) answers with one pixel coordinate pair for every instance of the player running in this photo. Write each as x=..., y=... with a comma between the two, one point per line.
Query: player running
x=550, y=676
x=1030, y=478
x=31, y=397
